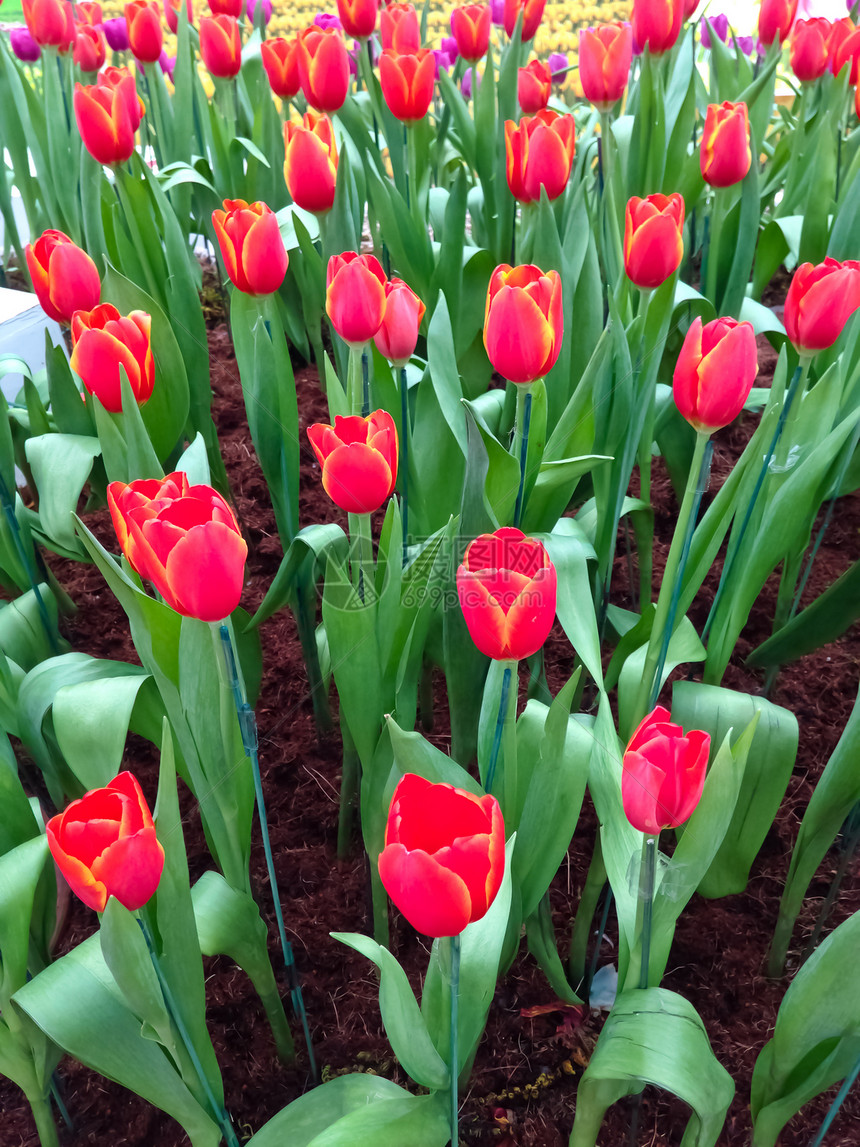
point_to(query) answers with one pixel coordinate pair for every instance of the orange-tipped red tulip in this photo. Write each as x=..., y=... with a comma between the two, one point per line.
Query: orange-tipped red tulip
x=775, y=18
x=532, y=11
x=221, y=46
x=715, y=372
x=50, y=22
x=108, y=114
x=663, y=773
x=358, y=17
x=656, y=24
x=843, y=47
x=171, y=13
x=653, y=239
x=358, y=460
x=808, y=48
x=184, y=539
x=310, y=162
x=64, y=277
x=399, y=28
x=820, y=301
x=507, y=589
x=539, y=154
x=725, y=155
x=534, y=87
x=102, y=342
x=523, y=321
x=145, y=34
x=90, y=48
x=444, y=855
x=227, y=8
x=251, y=246
x=281, y=61
x=324, y=68
x=407, y=83
x=470, y=27
x=355, y=296
x=397, y=336
x=105, y=845
x=605, y=53
x=89, y=12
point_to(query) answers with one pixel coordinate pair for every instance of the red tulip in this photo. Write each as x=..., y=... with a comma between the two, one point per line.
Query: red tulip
x=820, y=301
x=690, y=7
x=808, y=48
x=656, y=24
x=470, y=27
x=171, y=13
x=64, y=277
x=251, y=244
x=358, y=460
x=145, y=35
x=605, y=53
x=102, y=342
x=281, y=61
x=105, y=845
x=324, y=68
x=843, y=46
x=715, y=372
x=523, y=321
x=399, y=28
x=310, y=162
x=725, y=155
x=90, y=48
x=532, y=11
x=221, y=46
x=184, y=539
x=355, y=296
x=653, y=238
x=663, y=773
x=358, y=17
x=507, y=591
x=398, y=334
x=444, y=855
x=227, y=8
x=50, y=22
x=407, y=83
x=539, y=154
x=121, y=80
x=89, y=12
x=857, y=99
x=775, y=18
x=534, y=87
x=108, y=113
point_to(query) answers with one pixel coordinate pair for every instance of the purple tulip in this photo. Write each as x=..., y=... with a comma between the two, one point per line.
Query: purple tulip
x=449, y=47
x=466, y=82
x=251, y=7
x=23, y=44
x=498, y=10
x=167, y=64
x=116, y=33
x=719, y=24
x=352, y=57
x=558, y=66
x=327, y=20
x=746, y=44
x=443, y=61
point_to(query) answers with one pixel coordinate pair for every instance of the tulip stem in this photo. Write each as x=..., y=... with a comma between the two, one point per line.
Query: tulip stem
x=404, y=460
x=355, y=376
x=365, y=384
x=361, y=539
x=407, y=156
x=497, y=732
x=454, y=1058
x=46, y=1127
x=836, y=1104
x=647, y=874
x=248, y=727
x=713, y=253
x=218, y=1110
x=521, y=443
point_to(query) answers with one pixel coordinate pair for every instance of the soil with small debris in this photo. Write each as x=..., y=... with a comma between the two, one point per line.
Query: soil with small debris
x=523, y=1087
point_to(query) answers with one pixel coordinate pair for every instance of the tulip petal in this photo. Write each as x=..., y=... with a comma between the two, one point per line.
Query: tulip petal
x=205, y=571
x=641, y=782
x=530, y=617
x=433, y=899
x=131, y=868
x=357, y=478
x=484, y=617
x=78, y=877
x=517, y=336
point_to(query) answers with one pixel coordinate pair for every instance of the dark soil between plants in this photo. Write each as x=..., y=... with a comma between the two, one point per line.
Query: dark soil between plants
x=523, y=1087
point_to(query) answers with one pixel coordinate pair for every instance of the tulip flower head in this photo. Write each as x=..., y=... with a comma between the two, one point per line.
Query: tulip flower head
x=145, y=35
x=605, y=54
x=184, y=539
x=532, y=11
x=444, y=855
x=725, y=155
x=116, y=33
x=281, y=61
x=89, y=12
x=265, y=11
x=653, y=239
x=407, y=83
x=399, y=29
x=171, y=13
x=50, y=22
x=310, y=162
x=90, y=48
x=808, y=48
x=251, y=245
x=657, y=23
x=470, y=27
x=221, y=46
x=534, y=87
x=398, y=334
x=539, y=155
x=108, y=114
x=843, y=48
x=102, y=342
x=523, y=321
x=820, y=301
x=64, y=277
x=355, y=296
x=507, y=590
x=358, y=460
x=105, y=845
x=23, y=44
x=358, y=17
x=663, y=773
x=323, y=68
x=690, y=7
x=775, y=18
x=226, y=8
x=715, y=372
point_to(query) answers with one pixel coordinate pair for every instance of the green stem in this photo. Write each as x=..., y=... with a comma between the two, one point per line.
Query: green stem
x=615, y=244
x=581, y=933
x=365, y=384
x=500, y=725
x=520, y=445
x=361, y=542
x=454, y=1056
x=350, y=783
x=46, y=1128
x=647, y=874
x=305, y=616
x=713, y=255
x=355, y=379
x=405, y=431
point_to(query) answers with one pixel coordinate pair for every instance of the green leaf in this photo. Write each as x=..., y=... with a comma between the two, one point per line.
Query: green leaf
x=570, y=553
x=61, y=464
x=414, y=754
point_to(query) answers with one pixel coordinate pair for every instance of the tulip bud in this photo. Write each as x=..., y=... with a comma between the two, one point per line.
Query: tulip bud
x=50, y=22
x=656, y=24
x=444, y=855
x=226, y=8
x=116, y=33
x=715, y=372
x=251, y=12
x=324, y=68
x=407, y=83
x=221, y=46
x=310, y=162
x=532, y=11
x=355, y=296
x=64, y=277
x=358, y=460
x=523, y=322
x=725, y=155
x=171, y=13
x=534, y=87
x=820, y=301
x=108, y=114
x=653, y=239
x=90, y=48
x=251, y=245
x=398, y=334
x=23, y=45
x=843, y=48
x=808, y=48
x=663, y=773
x=470, y=27
x=539, y=155
x=605, y=53
x=281, y=61
x=89, y=12
x=399, y=28
x=775, y=18
x=145, y=35
x=102, y=342
x=358, y=17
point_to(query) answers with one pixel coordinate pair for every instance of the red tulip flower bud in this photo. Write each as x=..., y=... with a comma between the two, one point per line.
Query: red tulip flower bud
x=690, y=7
x=843, y=46
x=281, y=61
x=227, y=8
x=507, y=591
x=355, y=296
x=89, y=12
x=121, y=80
x=108, y=114
x=221, y=46
x=398, y=334
x=775, y=18
x=820, y=301
x=715, y=372
x=251, y=244
x=105, y=845
x=663, y=773
x=808, y=48
x=657, y=24
x=102, y=342
x=184, y=539
x=444, y=855
x=399, y=28
x=50, y=22
x=64, y=277
x=857, y=99
x=407, y=83
x=171, y=13
x=90, y=48
x=532, y=11
x=470, y=27
x=725, y=156
x=523, y=321
x=534, y=87
x=310, y=162
x=324, y=68
x=653, y=239
x=145, y=35
x=358, y=460
x=605, y=53
x=358, y=17
x=539, y=154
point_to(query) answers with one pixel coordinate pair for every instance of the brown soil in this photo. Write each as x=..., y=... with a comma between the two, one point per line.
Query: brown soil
x=523, y=1086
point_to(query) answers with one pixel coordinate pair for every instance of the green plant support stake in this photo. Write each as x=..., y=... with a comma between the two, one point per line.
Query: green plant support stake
x=521, y=440
x=404, y=461
x=248, y=726
x=454, y=1058
x=836, y=1104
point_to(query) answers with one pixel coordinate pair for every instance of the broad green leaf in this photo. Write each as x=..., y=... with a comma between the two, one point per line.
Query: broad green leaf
x=61, y=464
